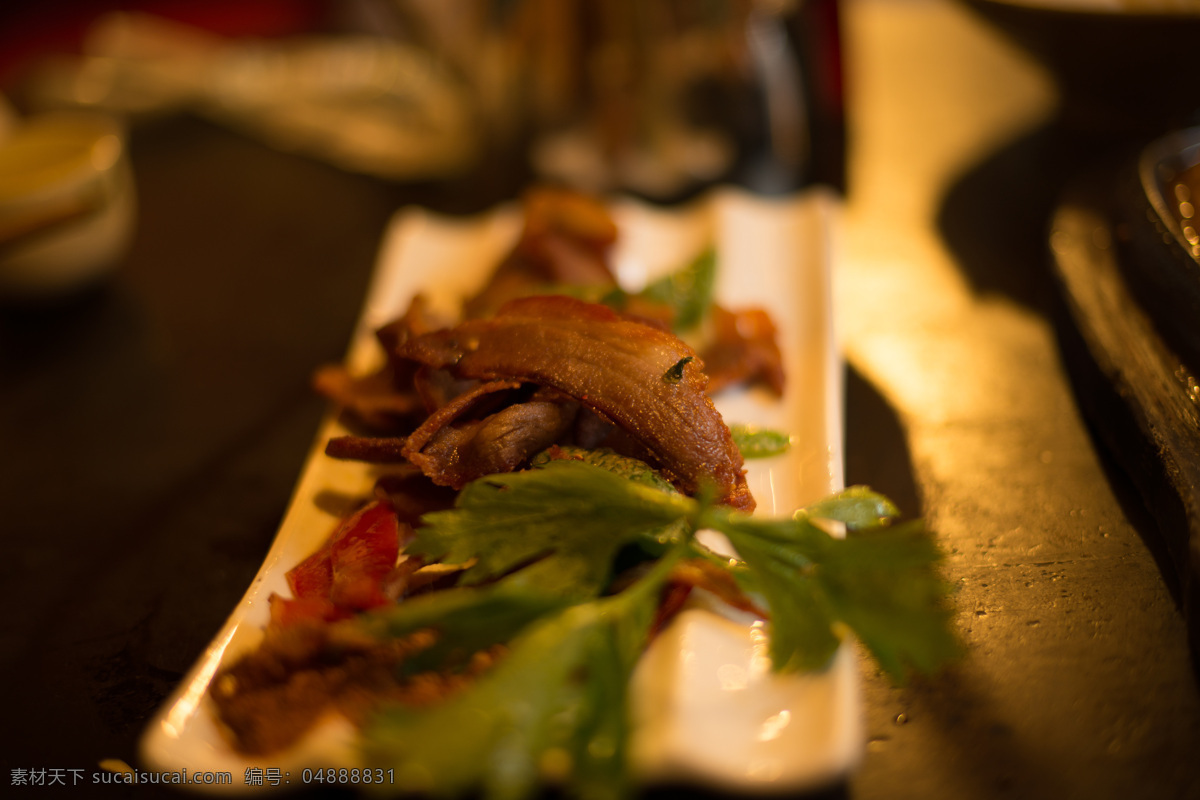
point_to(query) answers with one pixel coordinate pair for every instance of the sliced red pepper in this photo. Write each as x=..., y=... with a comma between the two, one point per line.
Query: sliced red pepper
x=348, y=572
x=313, y=577
x=363, y=552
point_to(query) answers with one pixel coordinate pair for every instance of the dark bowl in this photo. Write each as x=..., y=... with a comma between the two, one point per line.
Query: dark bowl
x=1121, y=67
x=1160, y=262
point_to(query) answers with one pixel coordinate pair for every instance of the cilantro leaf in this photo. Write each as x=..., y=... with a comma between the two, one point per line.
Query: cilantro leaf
x=553, y=710
x=557, y=527
x=687, y=291
x=777, y=562
x=756, y=442
x=465, y=619
x=880, y=582
x=857, y=507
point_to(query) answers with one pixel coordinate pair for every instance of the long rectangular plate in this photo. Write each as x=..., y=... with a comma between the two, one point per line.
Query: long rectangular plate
x=706, y=708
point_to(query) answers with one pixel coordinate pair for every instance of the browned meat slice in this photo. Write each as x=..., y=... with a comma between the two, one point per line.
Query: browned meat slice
x=744, y=350
x=390, y=399
x=457, y=444
x=644, y=379
x=565, y=241
x=371, y=449
x=413, y=495
x=371, y=400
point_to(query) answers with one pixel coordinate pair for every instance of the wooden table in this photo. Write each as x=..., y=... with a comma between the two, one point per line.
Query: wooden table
x=152, y=431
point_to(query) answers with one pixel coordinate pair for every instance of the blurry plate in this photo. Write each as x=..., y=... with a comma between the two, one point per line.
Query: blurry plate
x=706, y=708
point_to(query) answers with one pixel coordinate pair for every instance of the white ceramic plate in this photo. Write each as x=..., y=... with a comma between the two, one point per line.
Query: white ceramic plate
x=707, y=709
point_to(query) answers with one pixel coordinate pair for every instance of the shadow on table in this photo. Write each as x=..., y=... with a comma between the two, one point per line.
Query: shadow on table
x=877, y=453
x=970, y=730
x=995, y=219
x=967, y=730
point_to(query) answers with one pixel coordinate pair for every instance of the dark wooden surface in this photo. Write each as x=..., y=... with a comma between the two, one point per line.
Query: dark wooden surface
x=152, y=429
x=154, y=426
x=1131, y=379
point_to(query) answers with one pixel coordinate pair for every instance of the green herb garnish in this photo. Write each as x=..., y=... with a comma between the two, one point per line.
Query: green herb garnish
x=543, y=542
x=553, y=711
x=674, y=373
x=625, y=466
x=687, y=291
x=754, y=442
x=557, y=528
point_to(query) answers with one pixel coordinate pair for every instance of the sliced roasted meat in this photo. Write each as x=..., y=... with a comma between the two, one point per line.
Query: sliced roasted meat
x=393, y=398
x=457, y=444
x=744, y=350
x=371, y=449
x=642, y=378
x=371, y=400
x=416, y=320
x=565, y=242
x=413, y=495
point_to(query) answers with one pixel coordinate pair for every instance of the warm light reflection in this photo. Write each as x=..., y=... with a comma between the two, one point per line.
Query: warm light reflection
x=764, y=770
x=1186, y=189
x=183, y=709
x=774, y=726
x=105, y=152
x=732, y=677
x=760, y=657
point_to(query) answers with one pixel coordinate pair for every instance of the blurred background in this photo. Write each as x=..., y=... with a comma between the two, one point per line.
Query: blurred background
x=657, y=98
